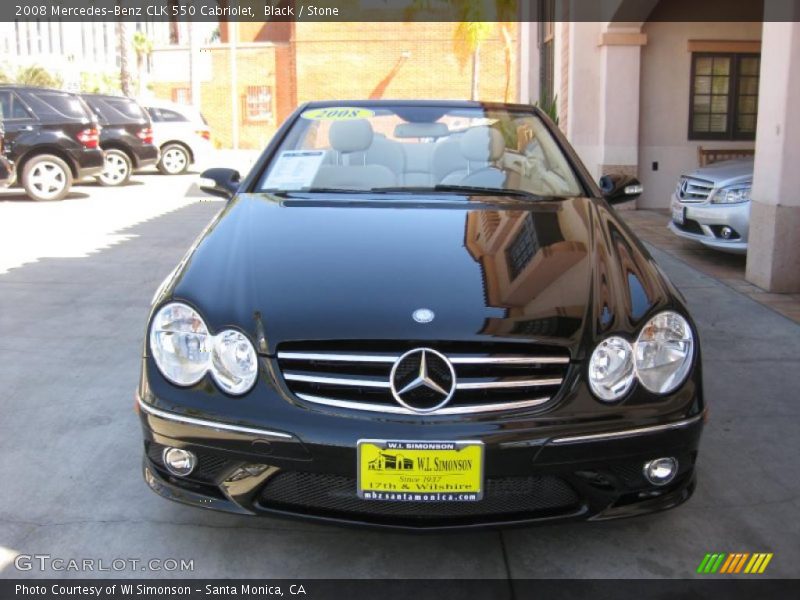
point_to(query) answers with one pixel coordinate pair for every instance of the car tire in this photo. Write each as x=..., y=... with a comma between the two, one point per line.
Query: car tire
x=117, y=170
x=46, y=178
x=174, y=159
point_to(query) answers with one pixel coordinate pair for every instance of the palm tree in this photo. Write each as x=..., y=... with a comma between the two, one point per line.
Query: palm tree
x=473, y=29
x=467, y=42
x=38, y=76
x=507, y=12
x=142, y=46
x=124, y=69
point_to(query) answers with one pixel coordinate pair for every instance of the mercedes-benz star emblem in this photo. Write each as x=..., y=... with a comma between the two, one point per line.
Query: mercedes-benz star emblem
x=423, y=380
x=423, y=315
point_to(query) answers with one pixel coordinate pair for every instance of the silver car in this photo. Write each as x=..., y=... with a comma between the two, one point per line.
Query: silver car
x=712, y=205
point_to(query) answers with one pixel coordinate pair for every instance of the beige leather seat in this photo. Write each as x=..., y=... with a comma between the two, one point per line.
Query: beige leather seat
x=482, y=148
x=351, y=140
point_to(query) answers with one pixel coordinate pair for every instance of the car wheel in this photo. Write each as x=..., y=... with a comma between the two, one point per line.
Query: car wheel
x=117, y=169
x=174, y=159
x=46, y=177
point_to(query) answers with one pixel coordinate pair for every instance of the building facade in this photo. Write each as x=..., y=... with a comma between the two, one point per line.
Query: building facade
x=73, y=51
x=650, y=97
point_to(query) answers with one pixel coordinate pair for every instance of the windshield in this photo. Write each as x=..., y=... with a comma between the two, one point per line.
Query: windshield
x=420, y=148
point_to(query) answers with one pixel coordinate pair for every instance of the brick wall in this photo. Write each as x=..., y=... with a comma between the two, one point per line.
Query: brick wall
x=349, y=60
x=344, y=61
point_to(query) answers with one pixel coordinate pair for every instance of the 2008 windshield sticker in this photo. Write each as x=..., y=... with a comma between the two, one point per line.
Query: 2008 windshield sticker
x=338, y=113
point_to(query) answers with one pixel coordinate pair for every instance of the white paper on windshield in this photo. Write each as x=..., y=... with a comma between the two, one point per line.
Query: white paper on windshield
x=294, y=169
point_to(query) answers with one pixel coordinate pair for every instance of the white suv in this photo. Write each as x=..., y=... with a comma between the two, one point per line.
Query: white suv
x=182, y=134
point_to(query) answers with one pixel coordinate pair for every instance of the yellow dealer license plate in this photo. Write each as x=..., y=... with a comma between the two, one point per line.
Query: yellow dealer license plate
x=420, y=471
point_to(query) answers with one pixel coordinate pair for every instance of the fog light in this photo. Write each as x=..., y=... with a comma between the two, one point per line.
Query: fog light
x=661, y=470
x=726, y=232
x=178, y=461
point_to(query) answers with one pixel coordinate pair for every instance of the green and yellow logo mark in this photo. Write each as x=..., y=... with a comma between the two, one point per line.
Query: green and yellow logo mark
x=734, y=563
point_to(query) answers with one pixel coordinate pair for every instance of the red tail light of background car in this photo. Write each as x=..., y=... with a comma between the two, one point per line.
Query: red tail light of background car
x=204, y=133
x=146, y=135
x=90, y=138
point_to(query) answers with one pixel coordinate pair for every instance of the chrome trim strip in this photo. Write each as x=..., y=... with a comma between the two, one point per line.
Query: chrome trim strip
x=456, y=360
x=162, y=414
x=595, y=437
x=399, y=410
x=516, y=383
x=336, y=357
x=509, y=360
x=336, y=380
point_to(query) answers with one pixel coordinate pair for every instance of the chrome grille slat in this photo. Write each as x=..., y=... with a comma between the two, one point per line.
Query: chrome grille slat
x=691, y=189
x=336, y=380
x=510, y=360
x=325, y=356
x=518, y=383
x=399, y=410
x=490, y=377
x=456, y=360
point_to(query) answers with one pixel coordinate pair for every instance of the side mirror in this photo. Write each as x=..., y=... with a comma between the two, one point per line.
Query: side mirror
x=220, y=182
x=620, y=188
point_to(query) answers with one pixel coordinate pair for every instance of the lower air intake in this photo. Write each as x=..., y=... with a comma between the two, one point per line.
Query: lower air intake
x=335, y=496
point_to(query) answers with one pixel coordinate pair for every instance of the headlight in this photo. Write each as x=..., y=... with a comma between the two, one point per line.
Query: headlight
x=735, y=194
x=611, y=369
x=663, y=352
x=180, y=344
x=234, y=362
x=184, y=351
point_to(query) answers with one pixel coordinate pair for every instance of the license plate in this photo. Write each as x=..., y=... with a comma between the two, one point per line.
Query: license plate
x=679, y=214
x=409, y=471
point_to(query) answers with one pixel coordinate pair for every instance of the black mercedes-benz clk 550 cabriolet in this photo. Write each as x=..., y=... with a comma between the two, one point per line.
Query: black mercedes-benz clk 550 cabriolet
x=420, y=315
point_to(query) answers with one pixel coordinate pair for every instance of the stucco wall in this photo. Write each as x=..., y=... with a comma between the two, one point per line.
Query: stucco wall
x=664, y=103
x=583, y=127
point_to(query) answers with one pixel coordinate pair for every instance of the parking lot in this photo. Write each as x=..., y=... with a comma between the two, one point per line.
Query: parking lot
x=76, y=279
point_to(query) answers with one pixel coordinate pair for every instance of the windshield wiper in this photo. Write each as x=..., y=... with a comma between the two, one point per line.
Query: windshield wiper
x=314, y=190
x=470, y=189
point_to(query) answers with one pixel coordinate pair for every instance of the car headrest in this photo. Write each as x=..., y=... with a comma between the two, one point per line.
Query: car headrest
x=350, y=136
x=482, y=144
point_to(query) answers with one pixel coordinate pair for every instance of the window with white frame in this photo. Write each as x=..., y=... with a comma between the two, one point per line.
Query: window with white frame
x=258, y=103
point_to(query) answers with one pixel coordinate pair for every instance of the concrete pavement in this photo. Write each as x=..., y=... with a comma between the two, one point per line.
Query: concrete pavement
x=71, y=330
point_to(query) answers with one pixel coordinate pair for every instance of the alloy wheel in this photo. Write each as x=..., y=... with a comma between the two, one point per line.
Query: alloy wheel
x=174, y=160
x=48, y=179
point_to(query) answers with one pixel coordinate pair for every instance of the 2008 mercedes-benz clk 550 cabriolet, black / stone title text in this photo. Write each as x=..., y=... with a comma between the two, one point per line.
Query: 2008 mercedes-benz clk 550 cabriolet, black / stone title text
x=420, y=315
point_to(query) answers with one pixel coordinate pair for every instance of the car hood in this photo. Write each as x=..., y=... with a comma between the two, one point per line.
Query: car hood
x=491, y=269
x=726, y=172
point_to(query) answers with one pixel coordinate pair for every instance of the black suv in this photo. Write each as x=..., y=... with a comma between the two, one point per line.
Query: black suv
x=6, y=168
x=126, y=136
x=52, y=138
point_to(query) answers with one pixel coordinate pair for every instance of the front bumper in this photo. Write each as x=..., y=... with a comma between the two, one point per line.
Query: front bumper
x=530, y=477
x=703, y=223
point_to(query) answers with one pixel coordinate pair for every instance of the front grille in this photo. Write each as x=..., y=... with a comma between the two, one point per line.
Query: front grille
x=490, y=377
x=692, y=189
x=335, y=495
